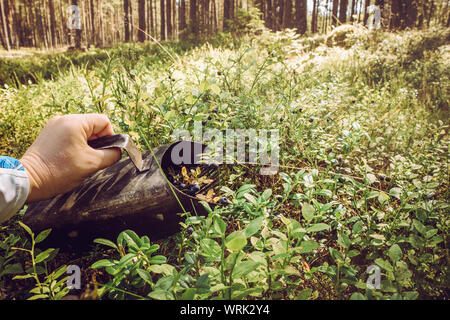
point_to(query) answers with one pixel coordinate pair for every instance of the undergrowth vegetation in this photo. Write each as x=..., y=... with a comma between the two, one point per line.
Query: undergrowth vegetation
x=363, y=175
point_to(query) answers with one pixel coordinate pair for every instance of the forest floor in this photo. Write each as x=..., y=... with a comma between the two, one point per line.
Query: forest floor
x=363, y=181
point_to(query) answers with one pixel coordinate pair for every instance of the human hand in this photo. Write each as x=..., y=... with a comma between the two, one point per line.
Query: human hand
x=60, y=158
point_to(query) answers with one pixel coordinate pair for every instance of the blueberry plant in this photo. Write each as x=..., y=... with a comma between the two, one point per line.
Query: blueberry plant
x=362, y=189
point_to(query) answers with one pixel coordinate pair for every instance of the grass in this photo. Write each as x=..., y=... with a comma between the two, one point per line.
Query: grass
x=363, y=175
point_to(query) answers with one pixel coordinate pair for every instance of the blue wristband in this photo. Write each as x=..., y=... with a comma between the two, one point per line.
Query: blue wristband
x=10, y=163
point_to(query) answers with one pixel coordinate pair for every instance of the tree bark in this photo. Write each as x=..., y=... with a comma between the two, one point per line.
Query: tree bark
x=141, y=10
x=314, y=17
x=227, y=14
x=301, y=16
x=334, y=12
x=163, y=20
x=5, y=26
x=182, y=15
x=169, y=18
x=126, y=20
x=287, y=14
x=193, y=17
x=343, y=11
x=51, y=8
x=77, y=31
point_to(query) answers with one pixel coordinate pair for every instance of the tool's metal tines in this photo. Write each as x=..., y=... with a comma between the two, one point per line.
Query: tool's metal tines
x=123, y=141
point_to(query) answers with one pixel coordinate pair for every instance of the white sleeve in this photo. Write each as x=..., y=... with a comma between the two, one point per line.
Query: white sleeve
x=14, y=188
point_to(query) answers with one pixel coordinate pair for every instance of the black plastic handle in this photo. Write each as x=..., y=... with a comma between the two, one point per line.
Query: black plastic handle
x=114, y=141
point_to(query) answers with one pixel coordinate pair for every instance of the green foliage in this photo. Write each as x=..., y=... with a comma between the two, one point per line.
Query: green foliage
x=364, y=164
x=54, y=285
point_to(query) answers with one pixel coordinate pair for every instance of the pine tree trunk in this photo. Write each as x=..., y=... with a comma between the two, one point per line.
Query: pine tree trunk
x=152, y=19
x=77, y=31
x=182, y=15
x=353, y=10
x=287, y=14
x=51, y=8
x=343, y=11
x=169, y=18
x=126, y=20
x=4, y=26
x=193, y=17
x=101, y=24
x=314, y=17
x=92, y=15
x=141, y=10
x=226, y=14
x=366, y=9
x=411, y=14
x=163, y=20
x=335, y=12
x=301, y=16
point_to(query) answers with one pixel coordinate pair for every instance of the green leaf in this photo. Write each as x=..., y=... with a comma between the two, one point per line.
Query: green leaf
x=106, y=243
x=215, y=88
x=308, y=211
x=318, y=227
x=308, y=246
x=169, y=115
x=203, y=282
x=26, y=228
x=396, y=192
x=266, y=194
x=158, y=259
x=253, y=227
x=358, y=296
x=159, y=294
x=189, y=294
x=236, y=241
x=344, y=240
x=419, y=227
x=395, y=253
x=145, y=275
x=384, y=264
x=244, y=268
x=304, y=294
x=132, y=239
x=357, y=227
x=219, y=226
x=382, y=197
x=25, y=276
x=43, y=255
x=103, y=263
x=210, y=248
x=12, y=269
x=41, y=236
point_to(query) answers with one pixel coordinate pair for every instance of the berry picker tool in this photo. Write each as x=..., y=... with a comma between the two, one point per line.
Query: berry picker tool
x=134, y=193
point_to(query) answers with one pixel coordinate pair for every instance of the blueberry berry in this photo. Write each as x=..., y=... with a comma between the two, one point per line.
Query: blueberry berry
x=223, y=201
x=182, y=186
x=190, y=230
x=194, y=189
x=311, y=120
